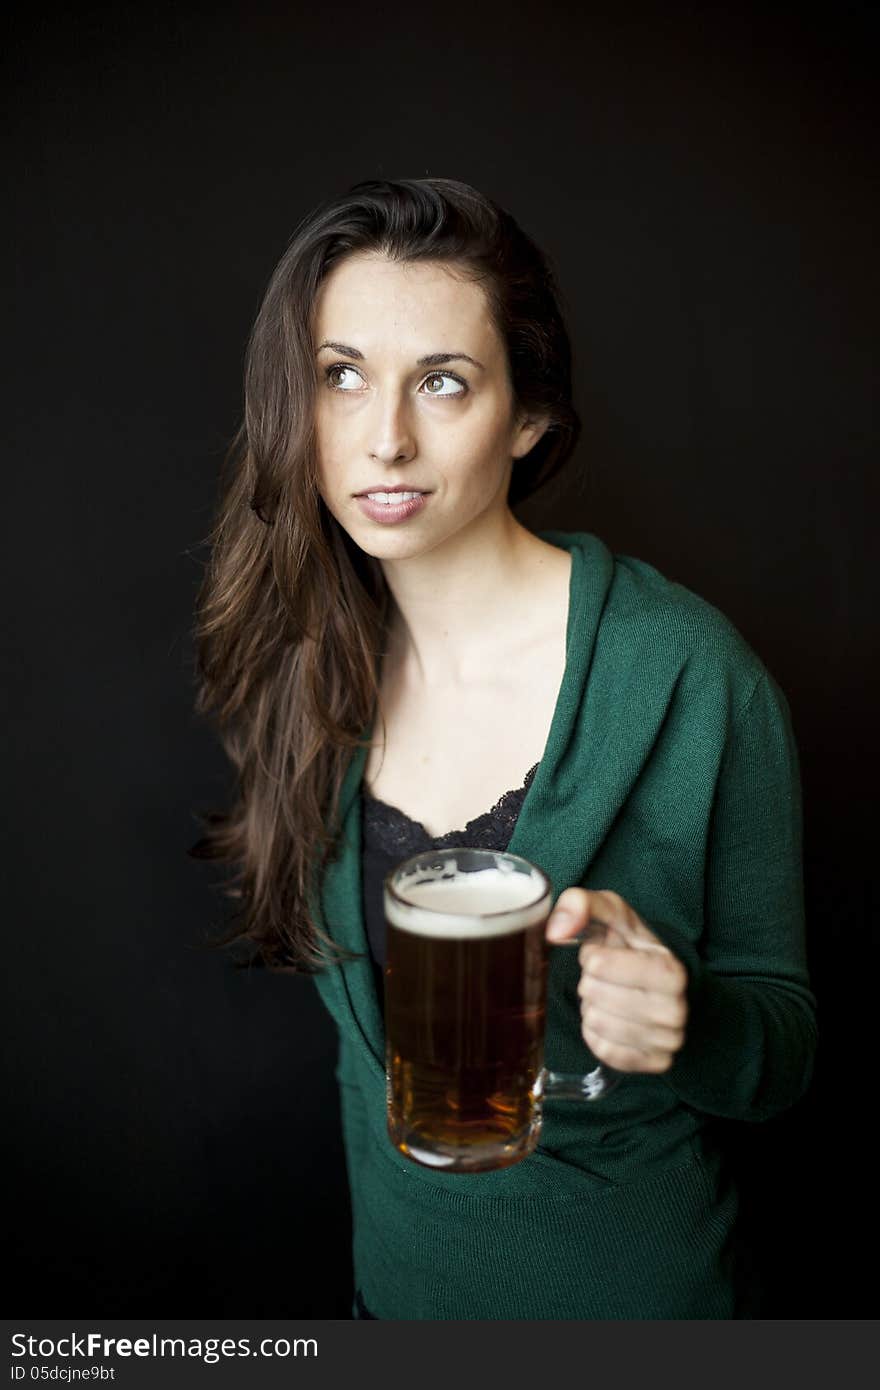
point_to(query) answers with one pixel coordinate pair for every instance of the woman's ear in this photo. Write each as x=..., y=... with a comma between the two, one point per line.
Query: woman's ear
x=527, y=433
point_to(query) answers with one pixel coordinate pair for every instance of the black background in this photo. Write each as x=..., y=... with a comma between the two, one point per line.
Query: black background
x=702, y=180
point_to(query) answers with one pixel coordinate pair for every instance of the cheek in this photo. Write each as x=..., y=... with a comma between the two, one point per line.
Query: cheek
x=323, y=426
x=477, y=468
x=330, y=453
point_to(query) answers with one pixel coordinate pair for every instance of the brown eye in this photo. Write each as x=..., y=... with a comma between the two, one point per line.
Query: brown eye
x=338, y=367
x=446, y=376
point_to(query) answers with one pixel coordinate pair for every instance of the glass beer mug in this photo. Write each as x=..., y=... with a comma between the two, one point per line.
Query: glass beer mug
x=465, y=1007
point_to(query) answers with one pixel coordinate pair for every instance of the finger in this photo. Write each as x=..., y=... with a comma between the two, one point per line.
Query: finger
x=570, y=915
x=629, y=1032
x=658, y=971
x=646, y=1009
x=578, y=909
x=622, y=1058
x=624, y=925
x=614, y=920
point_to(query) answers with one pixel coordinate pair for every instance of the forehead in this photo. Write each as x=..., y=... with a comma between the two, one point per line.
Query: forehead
x=369, y=301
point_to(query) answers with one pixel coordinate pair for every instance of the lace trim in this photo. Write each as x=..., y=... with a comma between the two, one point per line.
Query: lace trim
x=392, y=831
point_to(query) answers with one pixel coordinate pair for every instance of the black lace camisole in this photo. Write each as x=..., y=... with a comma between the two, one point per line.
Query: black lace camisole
x=390, y=836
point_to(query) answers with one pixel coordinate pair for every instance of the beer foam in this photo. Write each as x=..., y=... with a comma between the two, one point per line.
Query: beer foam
x=453, y=907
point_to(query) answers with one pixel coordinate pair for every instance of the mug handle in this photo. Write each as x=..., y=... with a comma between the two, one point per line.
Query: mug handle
x=594, y=1085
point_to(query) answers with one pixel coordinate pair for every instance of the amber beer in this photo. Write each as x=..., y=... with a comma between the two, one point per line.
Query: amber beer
x=465, y=1003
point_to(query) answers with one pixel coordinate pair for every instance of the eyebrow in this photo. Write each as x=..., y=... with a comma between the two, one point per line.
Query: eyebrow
x=432, y=359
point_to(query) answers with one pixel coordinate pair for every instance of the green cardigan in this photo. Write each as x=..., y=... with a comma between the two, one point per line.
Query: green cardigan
x=671, y=776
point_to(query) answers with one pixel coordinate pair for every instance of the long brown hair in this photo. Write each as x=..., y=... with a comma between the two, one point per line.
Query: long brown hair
x=291, y=614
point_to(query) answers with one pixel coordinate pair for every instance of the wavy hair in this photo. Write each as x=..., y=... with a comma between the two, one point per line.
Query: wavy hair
x=291, y=614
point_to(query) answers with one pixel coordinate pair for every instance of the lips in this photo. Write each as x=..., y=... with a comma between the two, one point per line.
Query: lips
x=388, y=513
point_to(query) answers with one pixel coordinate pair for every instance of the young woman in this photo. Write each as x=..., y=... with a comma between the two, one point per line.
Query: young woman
x=389, y=675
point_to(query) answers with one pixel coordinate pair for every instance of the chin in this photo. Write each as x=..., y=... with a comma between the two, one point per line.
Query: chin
x=391, y=544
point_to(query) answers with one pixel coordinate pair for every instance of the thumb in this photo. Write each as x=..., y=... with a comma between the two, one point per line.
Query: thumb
x=612, y=921
x=570, y=915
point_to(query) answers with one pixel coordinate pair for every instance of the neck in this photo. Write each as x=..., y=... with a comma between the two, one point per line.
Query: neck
x=460, y=608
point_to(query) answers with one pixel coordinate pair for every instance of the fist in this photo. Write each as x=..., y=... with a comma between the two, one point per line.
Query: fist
x=632, y=988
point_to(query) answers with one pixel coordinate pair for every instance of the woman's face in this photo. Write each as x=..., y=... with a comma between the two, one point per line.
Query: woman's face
x=383, y=417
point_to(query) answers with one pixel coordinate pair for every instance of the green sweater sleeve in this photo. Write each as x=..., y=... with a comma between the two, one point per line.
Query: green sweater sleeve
x=751, y=1032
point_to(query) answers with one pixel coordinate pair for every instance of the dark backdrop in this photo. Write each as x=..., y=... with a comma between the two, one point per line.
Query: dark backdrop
x=701, y=178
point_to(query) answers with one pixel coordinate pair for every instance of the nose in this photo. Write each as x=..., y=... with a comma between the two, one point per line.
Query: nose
x=391, y=436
